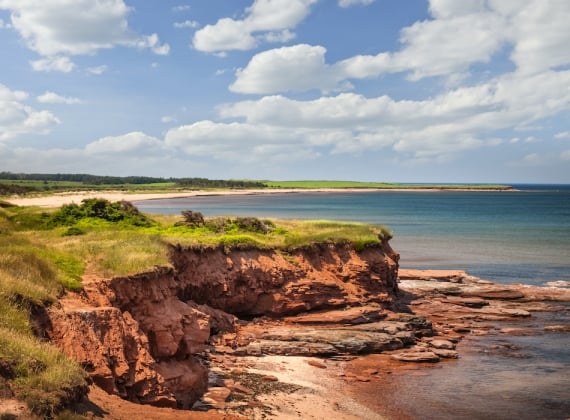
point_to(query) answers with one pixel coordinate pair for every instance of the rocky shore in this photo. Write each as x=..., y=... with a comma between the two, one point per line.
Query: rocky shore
x=267, y=334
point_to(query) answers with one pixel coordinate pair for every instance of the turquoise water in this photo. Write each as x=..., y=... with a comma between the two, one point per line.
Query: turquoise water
x=521, y=236
x=508, y=237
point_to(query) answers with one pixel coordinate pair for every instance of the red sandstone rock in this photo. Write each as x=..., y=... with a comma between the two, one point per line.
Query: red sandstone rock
x=418, y=357
x=557, y=328
x=317, y=364
x=442, y=344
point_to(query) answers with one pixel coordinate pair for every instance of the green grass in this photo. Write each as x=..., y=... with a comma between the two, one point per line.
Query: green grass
x=33, y=275
x=369, y=185
x=44, y=376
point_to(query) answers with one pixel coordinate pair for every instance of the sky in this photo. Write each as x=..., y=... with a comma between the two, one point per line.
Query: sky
x=370, y=90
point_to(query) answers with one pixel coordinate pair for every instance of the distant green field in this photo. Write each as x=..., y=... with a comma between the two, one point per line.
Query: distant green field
x=31, y=185
x=357, y=184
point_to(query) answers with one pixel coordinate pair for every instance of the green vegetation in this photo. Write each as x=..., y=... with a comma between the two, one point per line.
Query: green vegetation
x=11, y=183
x=43, y=253
x=382, y=185
x=32, y=276
x=22, y=184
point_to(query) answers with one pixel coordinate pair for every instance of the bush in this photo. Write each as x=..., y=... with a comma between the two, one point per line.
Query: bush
x=193, y=218
x=98, y=208
x=74, y=231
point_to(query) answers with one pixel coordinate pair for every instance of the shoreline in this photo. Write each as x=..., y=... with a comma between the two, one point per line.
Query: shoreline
x=60, y=199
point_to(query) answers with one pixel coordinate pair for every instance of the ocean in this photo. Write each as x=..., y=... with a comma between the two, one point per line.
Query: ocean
x=518, y=236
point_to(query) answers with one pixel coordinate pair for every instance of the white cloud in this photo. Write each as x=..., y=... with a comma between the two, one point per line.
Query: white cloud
x=63, y=27
x=181, y=8
x=279, y=37
x=562, y=135
x=133, y=144
x=99, y=70
x=269, y=20
x=61, y=64
x=167, y=119
x=54, y=98
x=348, y=3
x=448, y=124
x=17, y=118
x=459, y=36
x=186, y=24
x=300, y=67
x=153, y=43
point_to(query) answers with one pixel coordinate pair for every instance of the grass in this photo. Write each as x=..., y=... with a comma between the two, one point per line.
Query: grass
x=369, y=185
x=40, y=259
x=31, y=276
x=44, y=377
x=31, y=186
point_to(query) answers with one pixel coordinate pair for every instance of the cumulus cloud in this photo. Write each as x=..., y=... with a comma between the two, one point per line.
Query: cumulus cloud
x=153, y=43
x=61, y=27
x=186, y=24
x=269, y=20
x=562, y=135
x=17, y=118
x=61, y=64
x=134, y=143
x=300, y=67
x=457, y=37
x=348, y=3
x=54, y=98
x=99, y=70
x=448, y=124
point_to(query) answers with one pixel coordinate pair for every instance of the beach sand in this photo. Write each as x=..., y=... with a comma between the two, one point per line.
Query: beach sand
x=59, y=199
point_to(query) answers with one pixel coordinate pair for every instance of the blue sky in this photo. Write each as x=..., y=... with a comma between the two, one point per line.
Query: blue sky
x=374, y=90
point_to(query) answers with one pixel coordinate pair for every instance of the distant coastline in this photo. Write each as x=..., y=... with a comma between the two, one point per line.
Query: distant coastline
x=62, y=198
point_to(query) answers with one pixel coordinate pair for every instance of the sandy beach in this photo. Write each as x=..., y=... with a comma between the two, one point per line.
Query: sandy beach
x=59, y=199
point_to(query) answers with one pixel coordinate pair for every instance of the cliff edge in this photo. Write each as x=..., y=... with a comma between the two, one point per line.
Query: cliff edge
x=148, y=337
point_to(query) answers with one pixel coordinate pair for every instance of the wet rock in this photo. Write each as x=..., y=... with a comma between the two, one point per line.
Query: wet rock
x=417, y=357
x=446, y=354
x=521, y=332
x=557, y=328
x=442, y=344
x=521, y=313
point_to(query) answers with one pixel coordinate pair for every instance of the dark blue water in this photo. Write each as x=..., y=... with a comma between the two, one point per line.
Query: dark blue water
x=521, y=236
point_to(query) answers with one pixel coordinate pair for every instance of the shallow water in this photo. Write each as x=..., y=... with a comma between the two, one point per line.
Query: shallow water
x=496, y=377
x=506, y=237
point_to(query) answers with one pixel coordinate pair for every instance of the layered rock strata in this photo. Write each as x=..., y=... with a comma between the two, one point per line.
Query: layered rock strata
x=144, y=337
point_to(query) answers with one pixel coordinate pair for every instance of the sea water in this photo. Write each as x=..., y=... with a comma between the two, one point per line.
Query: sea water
x=509, y=236
x=518, y=236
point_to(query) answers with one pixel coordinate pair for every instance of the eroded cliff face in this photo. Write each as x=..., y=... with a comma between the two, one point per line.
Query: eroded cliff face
x=143, y=337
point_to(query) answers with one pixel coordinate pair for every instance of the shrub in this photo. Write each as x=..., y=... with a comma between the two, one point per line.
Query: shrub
x=74, y=231
x=193, y=218
x=98, y=208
